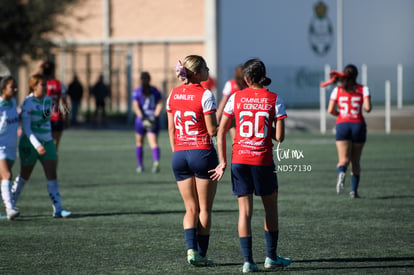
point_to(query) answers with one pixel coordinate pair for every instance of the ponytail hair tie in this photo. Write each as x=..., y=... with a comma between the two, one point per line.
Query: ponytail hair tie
x=335, y=76
x=180, y=71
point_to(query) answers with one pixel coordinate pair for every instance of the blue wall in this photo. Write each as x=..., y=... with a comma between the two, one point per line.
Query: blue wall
x=379, y=33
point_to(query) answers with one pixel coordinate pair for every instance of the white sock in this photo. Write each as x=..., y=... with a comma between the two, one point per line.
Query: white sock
x=53, y=189
x=17, y=187
x=6, y=194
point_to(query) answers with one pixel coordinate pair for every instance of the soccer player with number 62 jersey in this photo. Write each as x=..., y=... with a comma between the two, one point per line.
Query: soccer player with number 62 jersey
x=191, y=124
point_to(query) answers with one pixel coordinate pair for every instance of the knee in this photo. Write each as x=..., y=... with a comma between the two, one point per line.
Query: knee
x=343, y=162
x=192, y=212
x=204, y=215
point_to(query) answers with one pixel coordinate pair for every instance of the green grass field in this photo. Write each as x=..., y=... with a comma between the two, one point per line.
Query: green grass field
x=126, y=223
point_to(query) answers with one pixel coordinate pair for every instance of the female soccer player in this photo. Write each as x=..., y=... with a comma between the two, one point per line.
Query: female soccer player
x=234, y=85
x=191, y=124
x=255, y=109
x=36, y=143
x=351, y=130
x=147, y=104
x=57, y=92
x=9, y=120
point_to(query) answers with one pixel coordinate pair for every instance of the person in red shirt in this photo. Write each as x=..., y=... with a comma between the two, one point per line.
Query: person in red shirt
x=255, y=110
x=57, y=91
x=234, y=85
x=191, y=123
x=351, y=130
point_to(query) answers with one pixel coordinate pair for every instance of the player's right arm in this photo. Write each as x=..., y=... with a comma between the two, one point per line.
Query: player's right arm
x=171, y=130
x=218, y=172
x=137, y=108
x=332, y=103
x=226, y=94
x=225, y=123
x=171, y=124
x=27, y=127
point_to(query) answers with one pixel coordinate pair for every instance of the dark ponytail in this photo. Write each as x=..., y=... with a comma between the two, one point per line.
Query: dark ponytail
x=349, y=80
x=265, y=81
x=255, y=71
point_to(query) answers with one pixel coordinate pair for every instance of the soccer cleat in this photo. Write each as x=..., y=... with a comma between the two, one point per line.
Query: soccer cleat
x=62, y=214
x=140, y=169
x=156, y=167
x=195, y=259
x=191, y=256
x=279, y=262
x=341, y=182
x=249, y=267
x=354, y=195
x=12, y=213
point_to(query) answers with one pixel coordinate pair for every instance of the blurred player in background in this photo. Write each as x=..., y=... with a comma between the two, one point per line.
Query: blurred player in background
x=9, y=121
x=254, y=109
x=191, y=124
x=100, y=91
x=36, y=143
x=351, y=130
x=57, y=92
x=210, y=84
x=231, y=86
x=147, y=104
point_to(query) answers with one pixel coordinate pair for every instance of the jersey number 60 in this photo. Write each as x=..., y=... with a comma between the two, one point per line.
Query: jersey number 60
x=247, y=127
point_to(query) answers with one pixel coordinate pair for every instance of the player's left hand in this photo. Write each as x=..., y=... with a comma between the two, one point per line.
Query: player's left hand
x=218, y=172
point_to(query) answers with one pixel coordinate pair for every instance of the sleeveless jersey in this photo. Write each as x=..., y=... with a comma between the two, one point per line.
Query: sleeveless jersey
x=350, y=103
x=36, y=119
x=55, y=90
x=188, y=104
x=9, y=121
x=254, y=110
x=230, y=88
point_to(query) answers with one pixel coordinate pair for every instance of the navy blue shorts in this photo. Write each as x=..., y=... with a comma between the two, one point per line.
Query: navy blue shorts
x=57, y=126
x=140, y=129
x=355, y=132
x=194, y=163
x=246, y=179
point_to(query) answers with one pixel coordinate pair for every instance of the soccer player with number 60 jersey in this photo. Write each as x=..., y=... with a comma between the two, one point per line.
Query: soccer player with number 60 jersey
x=351, y=131
x=256, y=110
x=191, y=124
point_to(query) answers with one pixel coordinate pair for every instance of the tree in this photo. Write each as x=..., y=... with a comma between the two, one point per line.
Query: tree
x=24, y=28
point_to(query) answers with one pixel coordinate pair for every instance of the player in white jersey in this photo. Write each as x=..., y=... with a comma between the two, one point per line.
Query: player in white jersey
x=36, y=143
x=9, y=120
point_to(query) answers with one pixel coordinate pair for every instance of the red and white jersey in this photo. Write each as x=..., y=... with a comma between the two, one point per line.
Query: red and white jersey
x=55, y=90
x=188, y=104
x=254, y=110
x=350, y=103
x=230, y=87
